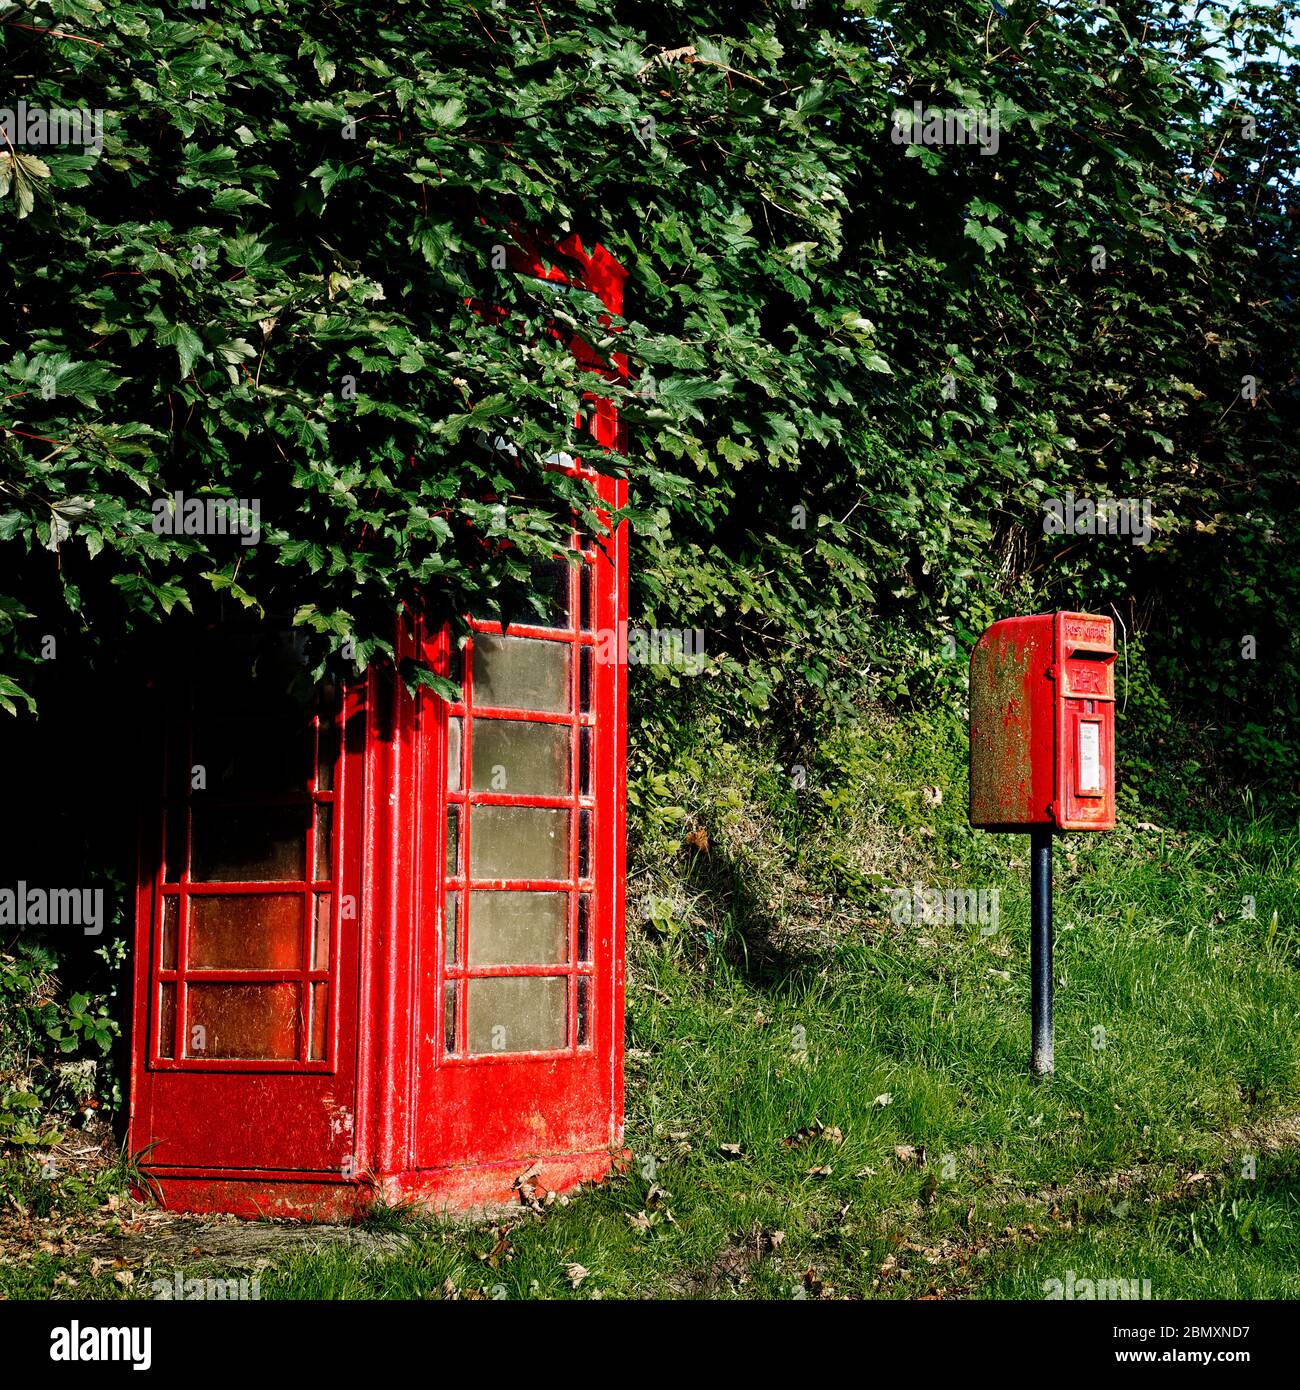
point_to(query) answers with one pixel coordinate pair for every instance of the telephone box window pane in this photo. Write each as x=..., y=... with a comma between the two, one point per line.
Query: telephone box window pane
x=171, y=917
x=551, y=584
x=584, y=681
x=548, y=584
x=521, y=673
x=252, y=843
x=177, y=781
x=449, y=1017
x=451, y=925
x=251, y=757
x=584, y=844
x=584, y=762
x=524, y=759
x=324, y=834
x=519, y=842
x=167, y=1022
x=584, y=927
x=453, y=755
x=528, y=1014
x=584, y=578
x=245, y=931
x=253, y=1022
x=320, y=1002
x=519, y=929
x=327, y=752
x=252, y=673
x=584, y=1009
x=174, y=856
x=320, y=950
x=453, y=840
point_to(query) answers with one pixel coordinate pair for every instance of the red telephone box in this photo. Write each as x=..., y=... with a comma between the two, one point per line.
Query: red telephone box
x=379, y=941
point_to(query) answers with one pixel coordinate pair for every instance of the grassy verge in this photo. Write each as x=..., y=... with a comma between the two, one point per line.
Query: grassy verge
x=826, y=1099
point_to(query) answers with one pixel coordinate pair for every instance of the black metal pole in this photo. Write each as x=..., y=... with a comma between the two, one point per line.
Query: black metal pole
x=1040, y=948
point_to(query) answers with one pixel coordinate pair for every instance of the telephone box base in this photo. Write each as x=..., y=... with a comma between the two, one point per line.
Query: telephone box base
x=463, y=1190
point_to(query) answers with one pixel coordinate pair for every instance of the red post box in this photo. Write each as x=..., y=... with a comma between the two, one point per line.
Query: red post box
x=1042, y=758
x=1042, y=724
x=379, y=939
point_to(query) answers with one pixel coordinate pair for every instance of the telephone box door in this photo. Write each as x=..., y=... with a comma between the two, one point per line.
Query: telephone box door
x=520, y=945
x=244, y=1057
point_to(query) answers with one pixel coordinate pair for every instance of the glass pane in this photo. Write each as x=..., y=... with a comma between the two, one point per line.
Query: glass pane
x=259, y=1022
x=584, y=677
x=167, y=1022
x=521, y=758
x=519, y=929
x=584, y=927
x=451, y=925
x=453, y=840
x=453, y=755
x=584, y=1008
x=171, y=917
x=584, y=762
x=245, y=931
x=327, y=746
x=584, y=579
x=324, y=840
x=521, y=673
x=449, y=1017
x=320, y=950
x=253, y=843
x=517, y=1015
x=584, y=843
x=177, y=780
x=248, y=756
x=519, y=842
x=254, y=673
x=551, y=584
x=175, y=849
x=320, y=1003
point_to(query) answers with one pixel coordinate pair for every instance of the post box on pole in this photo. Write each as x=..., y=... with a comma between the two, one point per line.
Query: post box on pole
x=1042, y=757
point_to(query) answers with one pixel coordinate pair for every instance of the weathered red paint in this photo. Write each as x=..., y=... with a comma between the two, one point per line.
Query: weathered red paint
x=395, y=1108
x=1042, y=723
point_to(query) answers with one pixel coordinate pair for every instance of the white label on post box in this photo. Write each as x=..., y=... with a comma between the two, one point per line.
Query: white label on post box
x=1090, y=757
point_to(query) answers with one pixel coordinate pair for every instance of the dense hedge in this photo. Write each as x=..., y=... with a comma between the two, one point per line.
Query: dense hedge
x=864, y=363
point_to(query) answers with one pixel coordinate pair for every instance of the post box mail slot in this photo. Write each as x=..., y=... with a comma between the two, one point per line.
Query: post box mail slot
x=1042, y=723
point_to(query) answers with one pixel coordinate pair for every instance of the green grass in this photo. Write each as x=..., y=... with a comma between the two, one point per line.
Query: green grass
x=771, y=997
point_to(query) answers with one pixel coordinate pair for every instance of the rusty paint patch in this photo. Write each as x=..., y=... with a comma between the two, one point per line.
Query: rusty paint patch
x=1000, y=765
